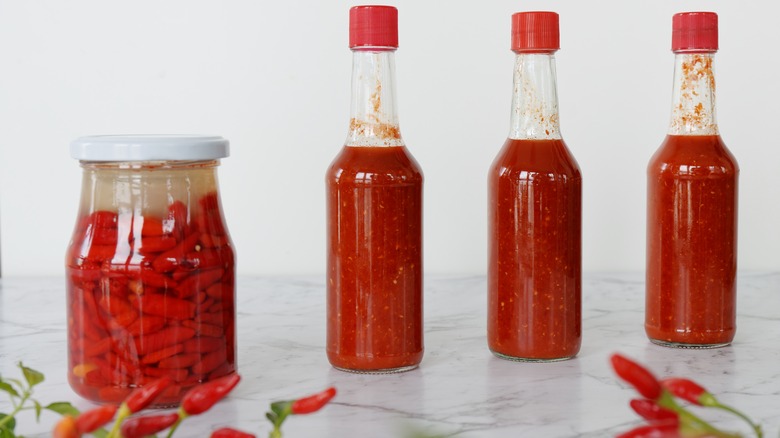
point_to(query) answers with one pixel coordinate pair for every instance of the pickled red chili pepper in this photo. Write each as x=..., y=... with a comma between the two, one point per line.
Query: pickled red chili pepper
x=138, y=304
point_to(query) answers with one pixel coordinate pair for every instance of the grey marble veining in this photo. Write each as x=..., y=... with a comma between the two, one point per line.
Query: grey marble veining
x=459, y=389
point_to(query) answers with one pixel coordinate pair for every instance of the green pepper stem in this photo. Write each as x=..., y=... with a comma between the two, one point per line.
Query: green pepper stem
x=756, y=427
x=688, y=419
x=182, y=416
x=124, y=412
x=17, y=407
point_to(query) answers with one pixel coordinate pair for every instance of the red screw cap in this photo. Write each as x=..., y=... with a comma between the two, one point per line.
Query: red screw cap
x=373, y=26
x=535, y=32
x=695, y=31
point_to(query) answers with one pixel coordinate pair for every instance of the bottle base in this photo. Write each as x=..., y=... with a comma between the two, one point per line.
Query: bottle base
x=670, y=344
x=532, y=359
x=402, y=369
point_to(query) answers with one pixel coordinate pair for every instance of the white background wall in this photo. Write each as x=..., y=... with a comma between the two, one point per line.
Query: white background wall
x=274, y=78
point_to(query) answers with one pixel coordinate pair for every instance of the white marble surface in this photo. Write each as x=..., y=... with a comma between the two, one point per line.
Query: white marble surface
x=460, y=388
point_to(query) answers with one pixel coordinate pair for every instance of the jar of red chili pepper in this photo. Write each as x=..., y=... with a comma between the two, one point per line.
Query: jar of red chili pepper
x=150, y=267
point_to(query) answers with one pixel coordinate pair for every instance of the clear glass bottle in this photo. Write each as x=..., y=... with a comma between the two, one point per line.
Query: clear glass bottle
x=374, y=214
x=150, y=267
x=534, y=212
x=692, y=205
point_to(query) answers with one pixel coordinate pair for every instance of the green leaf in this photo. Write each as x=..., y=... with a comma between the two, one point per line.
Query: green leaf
x=280, y=407
x=33, y=377
x=16, y=382
x=63, y=408
x=9, y=426
x=37, y=410
x=5, y=386
x=100, y=433
x=5, y=433
x=271, y=417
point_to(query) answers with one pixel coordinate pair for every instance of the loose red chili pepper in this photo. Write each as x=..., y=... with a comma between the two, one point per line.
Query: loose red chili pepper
x=654, y=430
x=637, y=375
x=93, y=419
x=203, y=397
x=139, y=427
x=144, y=396
x=649, y=410
x=66, y=428
x=689, y=391
x=227, y=432
x=312, y=403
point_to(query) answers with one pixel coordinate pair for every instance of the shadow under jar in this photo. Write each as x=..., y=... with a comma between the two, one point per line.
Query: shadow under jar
x=150, y=267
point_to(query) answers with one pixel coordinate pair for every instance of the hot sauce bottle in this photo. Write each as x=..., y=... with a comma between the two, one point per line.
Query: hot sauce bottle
x=534, y=212
x=374, y=216
x=692, y=205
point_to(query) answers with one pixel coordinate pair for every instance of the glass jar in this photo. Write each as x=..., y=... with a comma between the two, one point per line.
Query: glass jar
x=150, y=267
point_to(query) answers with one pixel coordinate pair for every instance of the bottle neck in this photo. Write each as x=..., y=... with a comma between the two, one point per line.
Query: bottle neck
x=373, y=116
x=535, y=98
x=693, y=98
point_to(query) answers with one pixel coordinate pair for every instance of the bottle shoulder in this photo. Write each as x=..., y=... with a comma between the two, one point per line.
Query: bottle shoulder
x=375, y=165
x=525, y=158
x=693, y=155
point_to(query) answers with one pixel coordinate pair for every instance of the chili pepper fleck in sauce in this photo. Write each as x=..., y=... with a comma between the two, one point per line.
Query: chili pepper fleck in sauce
x=692, y=242
x=534, y=298
x=374, y=259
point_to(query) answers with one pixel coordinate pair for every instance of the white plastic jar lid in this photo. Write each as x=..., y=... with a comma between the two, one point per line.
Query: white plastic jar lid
x=149, y=148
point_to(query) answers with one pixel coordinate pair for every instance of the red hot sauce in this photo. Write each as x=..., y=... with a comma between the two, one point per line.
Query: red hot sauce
x=534, y=304
x=375, y=259
x=692, y=242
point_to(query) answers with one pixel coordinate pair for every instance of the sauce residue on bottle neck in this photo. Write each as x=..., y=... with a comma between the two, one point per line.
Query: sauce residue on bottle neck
x=374, y=117
x=693, y=107
x=535, y=98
